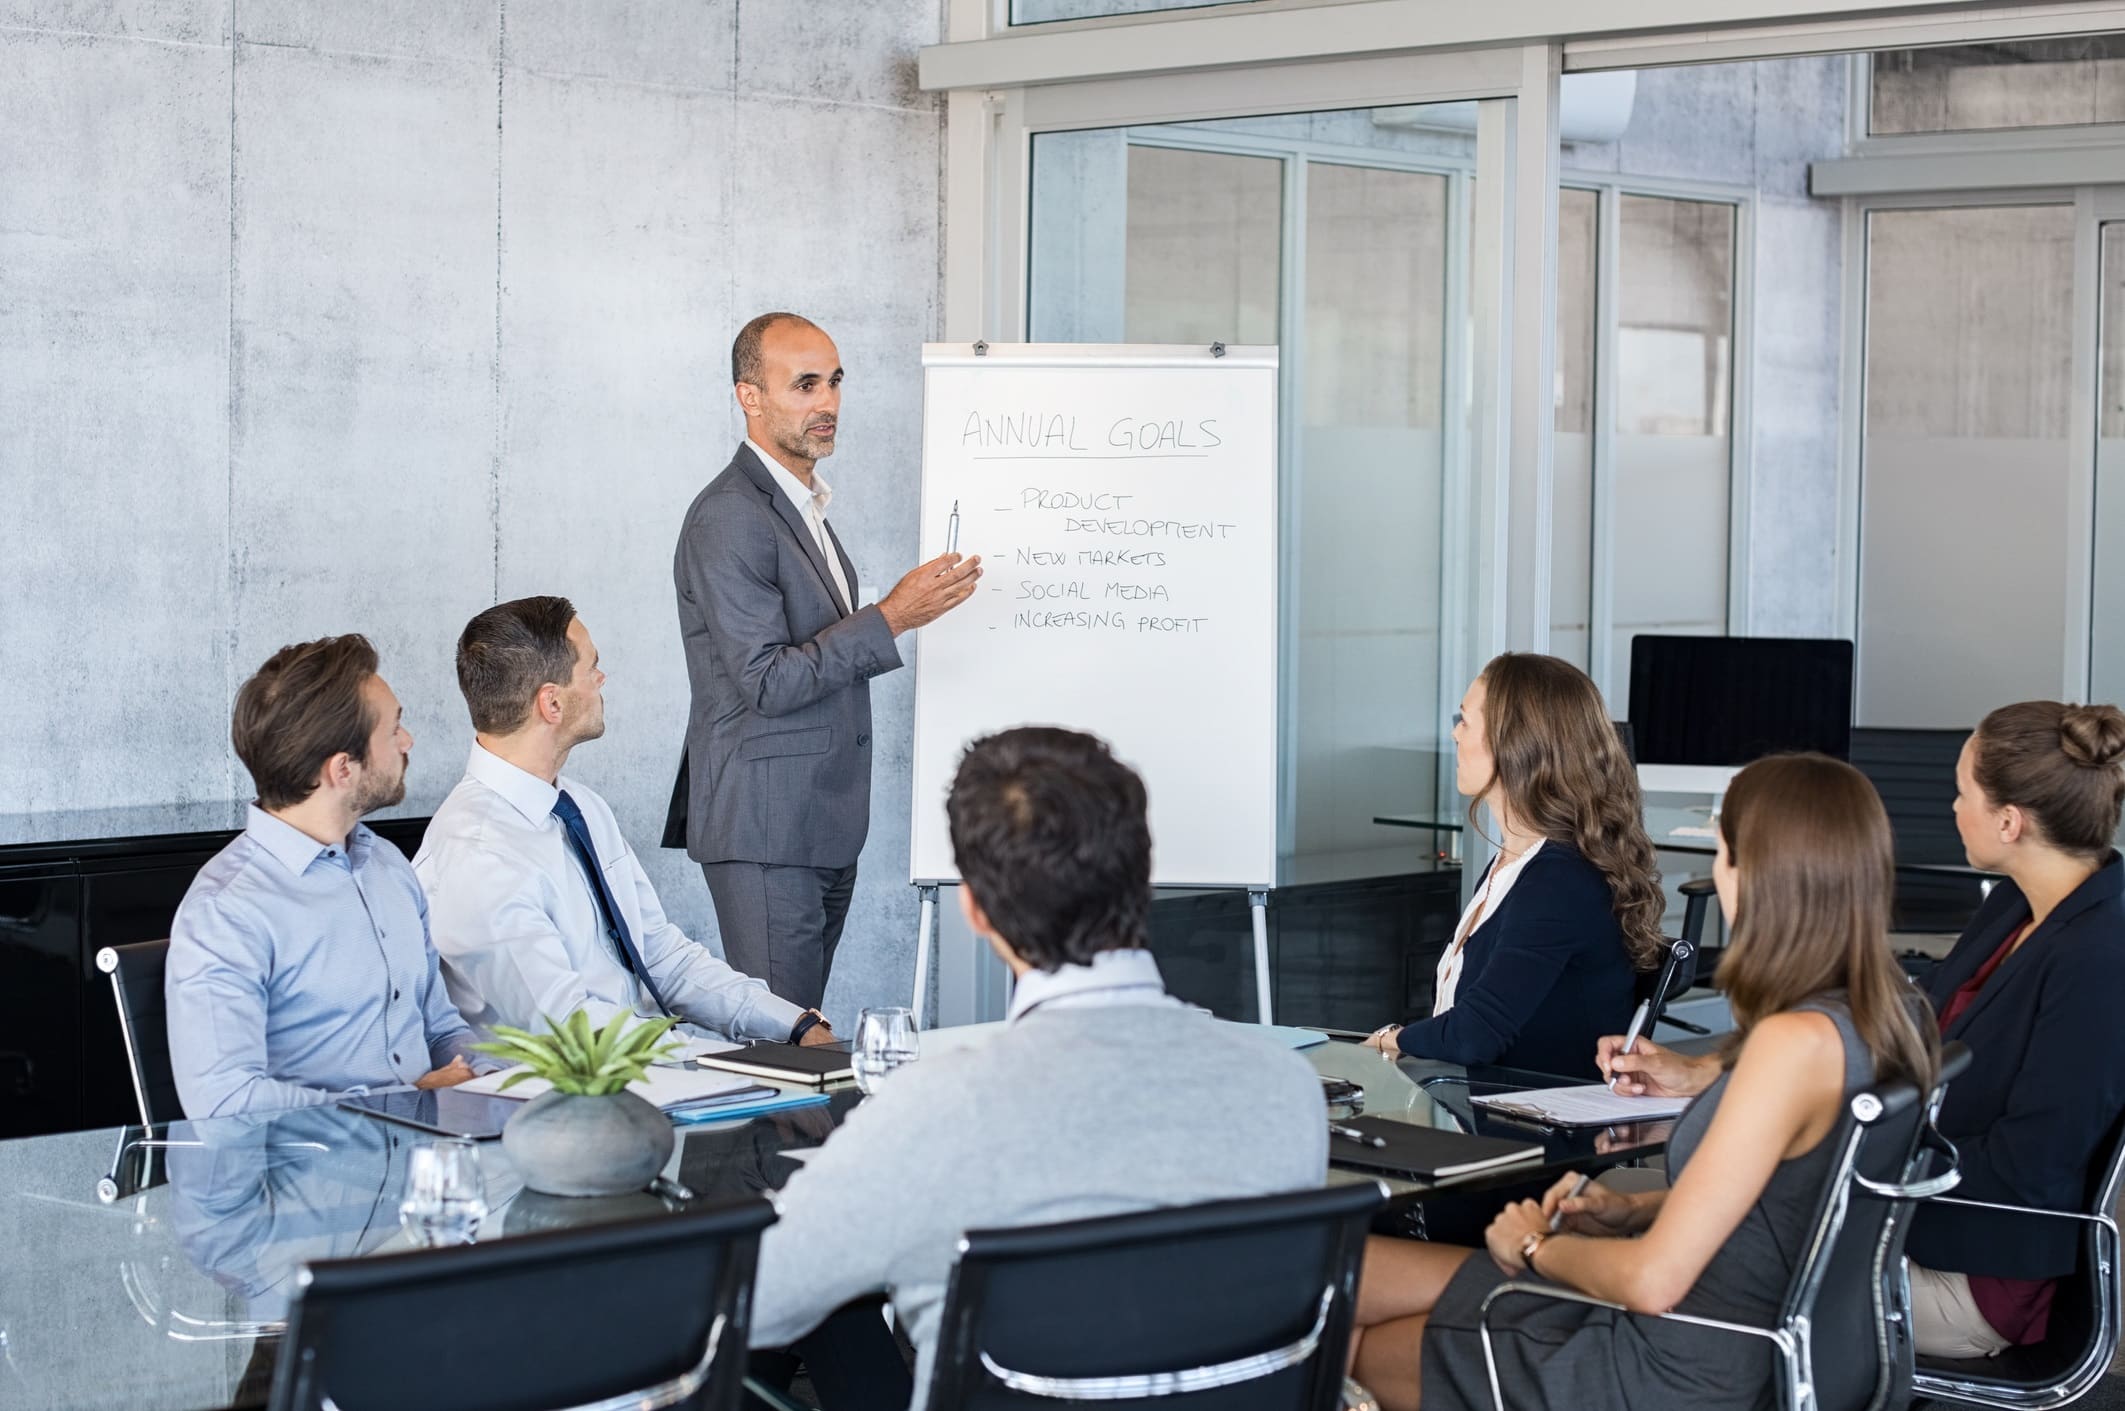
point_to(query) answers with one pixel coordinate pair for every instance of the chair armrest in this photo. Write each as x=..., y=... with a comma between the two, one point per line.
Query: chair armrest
x=1777, y=1336
x=2104, y=1220
x=1931, y=1188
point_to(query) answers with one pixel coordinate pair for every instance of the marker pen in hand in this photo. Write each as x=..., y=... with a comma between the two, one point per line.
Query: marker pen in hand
x=951, y=531
x=1630, y=1038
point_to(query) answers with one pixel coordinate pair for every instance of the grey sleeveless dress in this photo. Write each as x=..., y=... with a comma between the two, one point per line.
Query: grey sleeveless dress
x=1571, y=1357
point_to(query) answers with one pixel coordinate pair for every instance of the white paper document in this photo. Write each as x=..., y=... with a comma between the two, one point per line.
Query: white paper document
x=1591, y=1105
x=663, y=1087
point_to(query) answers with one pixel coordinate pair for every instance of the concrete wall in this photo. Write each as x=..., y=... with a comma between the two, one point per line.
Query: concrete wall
x=333, y=315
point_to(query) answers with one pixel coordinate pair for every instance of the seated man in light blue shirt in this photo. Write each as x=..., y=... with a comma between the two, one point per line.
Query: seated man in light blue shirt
x=299, y=965
x=539, y=906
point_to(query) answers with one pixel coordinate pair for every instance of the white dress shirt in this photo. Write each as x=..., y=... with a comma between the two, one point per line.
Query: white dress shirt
x=1496, y=884
x=811, y=508
x=522, y=936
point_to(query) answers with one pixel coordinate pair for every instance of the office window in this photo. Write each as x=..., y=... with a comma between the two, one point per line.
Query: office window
x=1205, y=236
x=1572, y=515
x=2106, y=660
x=1168, y=235
x=1985, y=87
x=1963, y=462
x=1047, y=11
x=1673, y=447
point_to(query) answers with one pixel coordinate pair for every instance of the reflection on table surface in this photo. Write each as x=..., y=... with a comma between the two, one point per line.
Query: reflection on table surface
x=153, y=1277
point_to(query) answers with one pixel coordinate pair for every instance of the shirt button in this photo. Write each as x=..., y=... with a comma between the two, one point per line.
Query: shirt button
x=862, y=740
x=394, y=1058
x=394, y=994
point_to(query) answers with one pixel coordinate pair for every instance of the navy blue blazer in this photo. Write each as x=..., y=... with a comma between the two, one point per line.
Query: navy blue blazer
x=2046, y=1078
x=1544, y=975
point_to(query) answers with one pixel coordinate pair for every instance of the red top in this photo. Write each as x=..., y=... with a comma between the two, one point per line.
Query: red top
x=2019, y=1310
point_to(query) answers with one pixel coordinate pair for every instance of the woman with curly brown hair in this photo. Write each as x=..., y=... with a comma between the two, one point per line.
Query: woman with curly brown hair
x=1541, y=965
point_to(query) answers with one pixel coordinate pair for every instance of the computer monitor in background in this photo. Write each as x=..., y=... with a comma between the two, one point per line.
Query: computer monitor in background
x=1701, y=707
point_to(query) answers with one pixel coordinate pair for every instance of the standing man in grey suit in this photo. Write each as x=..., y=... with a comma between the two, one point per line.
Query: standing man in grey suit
x=778, y=742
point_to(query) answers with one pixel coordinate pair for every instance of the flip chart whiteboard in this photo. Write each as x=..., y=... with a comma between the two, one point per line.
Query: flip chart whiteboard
x=1124, y=503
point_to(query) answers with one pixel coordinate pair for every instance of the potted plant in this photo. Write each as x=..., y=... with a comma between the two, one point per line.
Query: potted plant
x=588, y=1135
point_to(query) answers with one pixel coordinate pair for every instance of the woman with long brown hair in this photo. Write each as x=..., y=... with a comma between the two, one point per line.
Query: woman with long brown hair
x=1804, y=872
x=1542, y=963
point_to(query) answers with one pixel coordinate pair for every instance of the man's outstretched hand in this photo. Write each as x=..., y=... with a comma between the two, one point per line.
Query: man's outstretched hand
x=930, y=591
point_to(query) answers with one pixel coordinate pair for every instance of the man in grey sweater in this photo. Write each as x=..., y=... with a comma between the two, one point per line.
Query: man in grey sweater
x=1102, y=1094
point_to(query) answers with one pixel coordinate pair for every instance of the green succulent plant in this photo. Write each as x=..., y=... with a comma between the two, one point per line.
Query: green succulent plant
x=578, y=1059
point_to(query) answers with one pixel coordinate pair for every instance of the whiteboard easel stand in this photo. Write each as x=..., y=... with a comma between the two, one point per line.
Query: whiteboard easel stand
x=926, y=925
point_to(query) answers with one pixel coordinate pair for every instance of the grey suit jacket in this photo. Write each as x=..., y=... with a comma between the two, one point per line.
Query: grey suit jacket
x=778, y=742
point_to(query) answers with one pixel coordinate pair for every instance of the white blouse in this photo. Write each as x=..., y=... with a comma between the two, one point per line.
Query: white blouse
x=1496, y=883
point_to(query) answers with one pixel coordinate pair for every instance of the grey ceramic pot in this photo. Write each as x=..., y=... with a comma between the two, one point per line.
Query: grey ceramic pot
x=566, y=1145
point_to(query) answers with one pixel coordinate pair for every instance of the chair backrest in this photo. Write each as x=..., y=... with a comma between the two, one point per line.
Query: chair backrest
x=655, y=1310
x=1236, y=1305
x=1847, y=1295
x=136, y=986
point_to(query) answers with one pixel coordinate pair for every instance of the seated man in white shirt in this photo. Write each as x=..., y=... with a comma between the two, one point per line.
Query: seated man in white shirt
x=537, y=905
x=1102, y=1093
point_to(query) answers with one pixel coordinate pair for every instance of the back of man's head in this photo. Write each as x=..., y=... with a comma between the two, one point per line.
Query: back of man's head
x=507, y=653
x=1050, y=835
x=301, y=708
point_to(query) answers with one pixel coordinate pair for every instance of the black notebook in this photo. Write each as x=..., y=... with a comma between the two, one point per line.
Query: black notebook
x=787, y=1063
x=1424, y=1151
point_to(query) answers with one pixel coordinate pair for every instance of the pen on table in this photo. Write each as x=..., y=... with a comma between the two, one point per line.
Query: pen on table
x=1358, y=1135
x=1578, y=1189
x=1630, y=1038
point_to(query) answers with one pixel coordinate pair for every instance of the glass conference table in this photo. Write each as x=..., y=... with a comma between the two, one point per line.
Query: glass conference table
x=157, y=1281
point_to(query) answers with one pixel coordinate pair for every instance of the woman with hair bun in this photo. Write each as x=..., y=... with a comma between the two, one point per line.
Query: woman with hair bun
x=1542, y=963
x=2033, y=988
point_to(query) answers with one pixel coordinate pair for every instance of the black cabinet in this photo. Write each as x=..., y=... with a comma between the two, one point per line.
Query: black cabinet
x=62, y=1059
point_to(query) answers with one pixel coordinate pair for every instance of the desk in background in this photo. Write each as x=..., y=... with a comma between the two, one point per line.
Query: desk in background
x=164, y=1298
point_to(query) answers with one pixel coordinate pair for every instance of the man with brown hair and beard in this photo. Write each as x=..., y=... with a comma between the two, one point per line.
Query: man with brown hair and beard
x=299, y=966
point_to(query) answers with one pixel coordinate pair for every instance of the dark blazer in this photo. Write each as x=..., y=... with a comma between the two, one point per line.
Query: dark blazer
x=1543, y=977
x=2046, y=1079
x=778, y=740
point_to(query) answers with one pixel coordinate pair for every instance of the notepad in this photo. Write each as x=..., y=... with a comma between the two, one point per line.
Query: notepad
x=1589, y=1105
x=1425, y=1151
x=664, y=1088
x=785, y=1063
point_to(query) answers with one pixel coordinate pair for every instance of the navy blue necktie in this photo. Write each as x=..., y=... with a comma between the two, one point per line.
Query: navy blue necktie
x=571, y=816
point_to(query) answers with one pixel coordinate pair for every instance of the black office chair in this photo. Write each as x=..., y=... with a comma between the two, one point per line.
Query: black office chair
x=136, y=986
x=1237, y=1305
x=638, y=1314
x=1842, y=1337
x=2082, y=1337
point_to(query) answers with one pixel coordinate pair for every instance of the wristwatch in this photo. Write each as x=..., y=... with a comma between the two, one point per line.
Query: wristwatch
x=1529, y=1245
x=804, y=1025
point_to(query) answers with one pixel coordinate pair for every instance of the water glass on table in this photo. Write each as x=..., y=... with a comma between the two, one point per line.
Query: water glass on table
x=445, y=1197
x=885, y=1039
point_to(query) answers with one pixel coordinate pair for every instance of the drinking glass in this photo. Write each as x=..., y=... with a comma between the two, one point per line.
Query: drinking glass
x=885, y=1039
x=445, y=1198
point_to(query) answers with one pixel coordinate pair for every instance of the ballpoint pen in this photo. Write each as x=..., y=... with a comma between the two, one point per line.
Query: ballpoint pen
x=1578, y=1189
x=1358, y=1135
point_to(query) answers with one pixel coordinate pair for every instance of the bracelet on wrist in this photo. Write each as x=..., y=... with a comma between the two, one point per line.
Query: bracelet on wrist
x=809, y=1020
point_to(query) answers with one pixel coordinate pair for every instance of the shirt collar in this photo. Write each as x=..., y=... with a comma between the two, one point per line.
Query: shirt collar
x=820, y=493
x=1114, y=977
x=289, y=845
x=526, y=792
